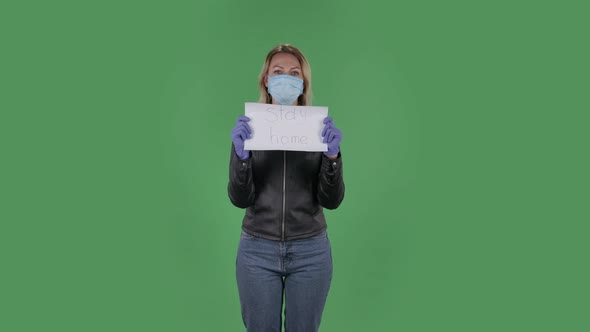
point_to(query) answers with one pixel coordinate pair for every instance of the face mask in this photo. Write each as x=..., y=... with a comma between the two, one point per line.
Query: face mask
x=285, y=88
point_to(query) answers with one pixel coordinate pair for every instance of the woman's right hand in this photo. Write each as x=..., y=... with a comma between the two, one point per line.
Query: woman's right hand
x=239, y=134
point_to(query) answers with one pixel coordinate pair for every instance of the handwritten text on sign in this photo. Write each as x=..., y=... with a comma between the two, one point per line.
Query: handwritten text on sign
x=278, y=127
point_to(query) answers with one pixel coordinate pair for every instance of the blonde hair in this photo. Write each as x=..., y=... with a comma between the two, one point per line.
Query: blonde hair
x=305, y=98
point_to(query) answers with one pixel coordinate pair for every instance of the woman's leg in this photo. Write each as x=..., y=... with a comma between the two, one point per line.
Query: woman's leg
x=260, y=283
x=309, y=274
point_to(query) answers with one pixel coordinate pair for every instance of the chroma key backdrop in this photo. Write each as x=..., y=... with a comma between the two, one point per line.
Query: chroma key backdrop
x=465, y=158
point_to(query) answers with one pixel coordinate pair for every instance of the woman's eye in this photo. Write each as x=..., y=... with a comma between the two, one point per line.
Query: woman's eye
x=278, y=72
x=295, y=73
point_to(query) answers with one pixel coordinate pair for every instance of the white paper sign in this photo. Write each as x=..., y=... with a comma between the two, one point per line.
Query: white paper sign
x=278, y=127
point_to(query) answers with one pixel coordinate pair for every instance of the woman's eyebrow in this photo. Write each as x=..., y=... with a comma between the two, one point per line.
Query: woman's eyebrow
x=296, y=67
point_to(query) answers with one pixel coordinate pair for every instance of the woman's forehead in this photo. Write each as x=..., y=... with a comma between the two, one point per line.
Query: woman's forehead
x=284, y=59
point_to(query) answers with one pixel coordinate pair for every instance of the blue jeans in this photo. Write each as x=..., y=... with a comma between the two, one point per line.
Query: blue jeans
x=299, y=270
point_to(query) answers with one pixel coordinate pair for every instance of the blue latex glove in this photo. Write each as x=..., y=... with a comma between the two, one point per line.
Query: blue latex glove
x=239, y=134
x=332, y=136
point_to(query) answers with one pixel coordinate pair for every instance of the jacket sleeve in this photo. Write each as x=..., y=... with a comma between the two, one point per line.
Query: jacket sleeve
x=241, y=185
x=331, y=183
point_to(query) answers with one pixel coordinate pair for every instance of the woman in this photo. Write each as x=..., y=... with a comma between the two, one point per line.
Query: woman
x=284, y=248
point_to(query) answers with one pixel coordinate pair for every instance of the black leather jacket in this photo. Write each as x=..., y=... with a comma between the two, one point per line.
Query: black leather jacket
x=284, y=192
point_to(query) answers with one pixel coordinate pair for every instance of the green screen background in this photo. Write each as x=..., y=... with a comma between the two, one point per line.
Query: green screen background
x=465, y=161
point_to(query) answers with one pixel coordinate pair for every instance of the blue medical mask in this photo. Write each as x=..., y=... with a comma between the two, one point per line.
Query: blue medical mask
x=285, y=88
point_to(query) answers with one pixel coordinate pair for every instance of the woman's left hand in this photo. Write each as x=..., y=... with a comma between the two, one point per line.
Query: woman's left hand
x=332, y=136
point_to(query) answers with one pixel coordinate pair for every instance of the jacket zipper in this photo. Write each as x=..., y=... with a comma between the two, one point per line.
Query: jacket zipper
x=284, y=180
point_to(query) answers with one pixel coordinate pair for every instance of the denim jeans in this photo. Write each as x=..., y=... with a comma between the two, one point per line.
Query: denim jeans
x=298, y=271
